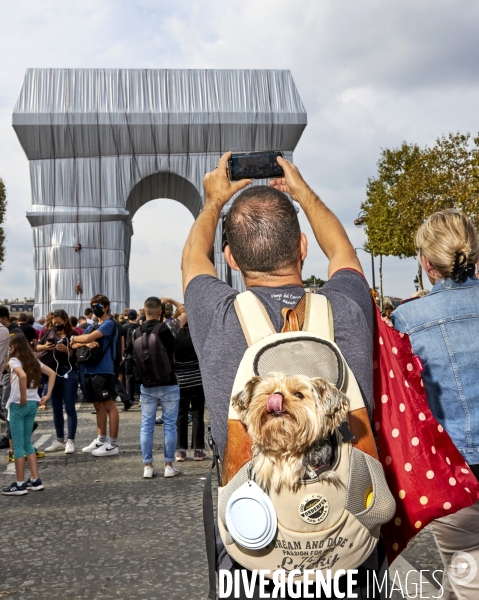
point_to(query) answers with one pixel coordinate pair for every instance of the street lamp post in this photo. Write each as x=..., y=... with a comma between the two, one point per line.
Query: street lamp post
x=360, y=222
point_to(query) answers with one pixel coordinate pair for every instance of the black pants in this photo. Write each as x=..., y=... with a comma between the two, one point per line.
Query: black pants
x=129, y=379
x=196, y=397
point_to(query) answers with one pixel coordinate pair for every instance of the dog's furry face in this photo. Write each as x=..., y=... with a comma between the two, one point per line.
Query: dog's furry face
x=287, y=417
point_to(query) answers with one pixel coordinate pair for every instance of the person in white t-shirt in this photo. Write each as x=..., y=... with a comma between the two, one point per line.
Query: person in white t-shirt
x=25, y=369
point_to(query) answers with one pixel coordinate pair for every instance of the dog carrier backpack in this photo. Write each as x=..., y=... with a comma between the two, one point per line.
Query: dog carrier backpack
x=331, y=517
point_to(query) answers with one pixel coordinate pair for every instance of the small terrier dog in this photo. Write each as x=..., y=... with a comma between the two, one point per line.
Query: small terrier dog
x=290, y=420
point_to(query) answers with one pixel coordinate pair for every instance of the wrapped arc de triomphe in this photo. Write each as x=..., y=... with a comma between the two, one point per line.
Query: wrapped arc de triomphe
x=103, y=142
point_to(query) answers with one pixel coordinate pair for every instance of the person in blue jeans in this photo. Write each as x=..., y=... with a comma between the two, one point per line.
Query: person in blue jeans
x=55, y=346
x=168, y=393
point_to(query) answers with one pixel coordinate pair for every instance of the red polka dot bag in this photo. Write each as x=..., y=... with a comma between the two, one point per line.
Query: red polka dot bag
x=425, y=472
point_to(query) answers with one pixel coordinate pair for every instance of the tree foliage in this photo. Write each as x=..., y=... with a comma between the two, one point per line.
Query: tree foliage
x=313, y=281
x=413, y=183
x=3, y=210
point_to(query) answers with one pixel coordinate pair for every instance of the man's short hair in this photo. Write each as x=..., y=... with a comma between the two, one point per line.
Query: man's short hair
x=4, y=312
x=30, y=319
x=100, y=299
x=87, y=312
x=22, y=317
x=152, y=306
x=82, y=319
x=263, y=231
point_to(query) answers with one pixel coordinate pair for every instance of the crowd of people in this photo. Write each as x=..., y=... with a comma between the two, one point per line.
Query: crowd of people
x=179, y=354
x=104, y=360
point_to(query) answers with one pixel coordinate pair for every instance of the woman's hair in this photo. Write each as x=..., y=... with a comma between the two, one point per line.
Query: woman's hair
x=23, y=351
x=63, y=315
x=444, y=234
x=48, y=320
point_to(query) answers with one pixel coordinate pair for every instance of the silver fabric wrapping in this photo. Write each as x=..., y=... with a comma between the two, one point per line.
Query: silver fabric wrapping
x=102, y=143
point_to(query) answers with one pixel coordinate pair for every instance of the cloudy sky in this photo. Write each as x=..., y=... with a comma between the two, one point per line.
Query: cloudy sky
x=371, y=73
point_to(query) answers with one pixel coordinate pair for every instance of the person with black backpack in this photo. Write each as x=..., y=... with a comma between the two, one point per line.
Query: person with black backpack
x=96, y=348
x=153, y=348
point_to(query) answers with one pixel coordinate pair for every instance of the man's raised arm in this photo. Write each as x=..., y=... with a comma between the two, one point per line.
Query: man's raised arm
x=218, y=190
x=329, y=232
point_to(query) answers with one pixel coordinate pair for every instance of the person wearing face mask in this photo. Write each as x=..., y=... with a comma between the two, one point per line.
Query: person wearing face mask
x=54, y=350
x=100, y=378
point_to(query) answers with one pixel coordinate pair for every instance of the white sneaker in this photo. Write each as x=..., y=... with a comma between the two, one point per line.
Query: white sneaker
x=70, y=447
x=106, y=450
x=148, y=472
x=93, y=446
x=55, y=447
x=171, y=471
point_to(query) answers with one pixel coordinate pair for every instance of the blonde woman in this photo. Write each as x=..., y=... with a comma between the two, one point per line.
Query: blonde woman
x=444, y=331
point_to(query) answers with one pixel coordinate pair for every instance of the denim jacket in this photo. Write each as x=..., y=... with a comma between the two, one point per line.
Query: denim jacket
x=444, y=331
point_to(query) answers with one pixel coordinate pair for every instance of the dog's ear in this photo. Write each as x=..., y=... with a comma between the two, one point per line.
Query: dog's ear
x=241, y=401
x=332, y=401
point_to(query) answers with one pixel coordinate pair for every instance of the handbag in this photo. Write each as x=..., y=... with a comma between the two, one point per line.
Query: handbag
x=46, y=357
x=91, y=357
x=425, y=472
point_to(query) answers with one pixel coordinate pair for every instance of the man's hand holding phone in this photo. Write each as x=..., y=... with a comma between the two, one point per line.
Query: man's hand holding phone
x=292, y=183
x=218, y=188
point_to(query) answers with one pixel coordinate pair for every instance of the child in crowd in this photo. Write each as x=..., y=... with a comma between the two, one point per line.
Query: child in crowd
x=25, y=371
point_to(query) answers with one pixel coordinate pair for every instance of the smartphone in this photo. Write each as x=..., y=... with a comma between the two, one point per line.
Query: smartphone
x=254, y=165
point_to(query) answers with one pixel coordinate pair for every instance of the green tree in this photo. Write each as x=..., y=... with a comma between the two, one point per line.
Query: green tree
x=313, y=281
x=3, y=210
x=411, y=184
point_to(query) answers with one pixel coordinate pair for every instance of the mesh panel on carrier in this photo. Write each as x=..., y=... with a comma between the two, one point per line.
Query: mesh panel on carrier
x=301, y=356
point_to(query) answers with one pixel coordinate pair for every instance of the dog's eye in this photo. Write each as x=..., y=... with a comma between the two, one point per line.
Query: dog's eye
x=298, y=395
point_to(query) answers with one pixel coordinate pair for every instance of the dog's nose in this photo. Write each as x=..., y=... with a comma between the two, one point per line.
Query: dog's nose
x=274, y=403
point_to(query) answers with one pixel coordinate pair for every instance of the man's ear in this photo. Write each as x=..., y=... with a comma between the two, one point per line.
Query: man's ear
x=303, y=246
x=230, y=259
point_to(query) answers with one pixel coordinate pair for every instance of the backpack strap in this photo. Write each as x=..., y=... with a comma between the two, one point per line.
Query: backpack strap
x=156, y=329
x=253, y=318
x=319, y=317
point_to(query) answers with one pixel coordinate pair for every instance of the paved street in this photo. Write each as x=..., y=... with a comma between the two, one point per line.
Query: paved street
x=100, y=531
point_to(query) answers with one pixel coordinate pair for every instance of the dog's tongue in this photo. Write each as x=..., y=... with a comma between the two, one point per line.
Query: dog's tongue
x=275, y=403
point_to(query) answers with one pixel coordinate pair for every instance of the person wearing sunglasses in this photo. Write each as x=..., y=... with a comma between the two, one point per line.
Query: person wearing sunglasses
x=100, y=378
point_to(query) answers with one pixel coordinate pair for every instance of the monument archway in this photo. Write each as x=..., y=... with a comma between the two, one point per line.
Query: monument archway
x=101, y=143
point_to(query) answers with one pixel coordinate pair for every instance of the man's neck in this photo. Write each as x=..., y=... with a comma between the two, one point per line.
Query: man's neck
x=265, y=280
x=103, y=318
